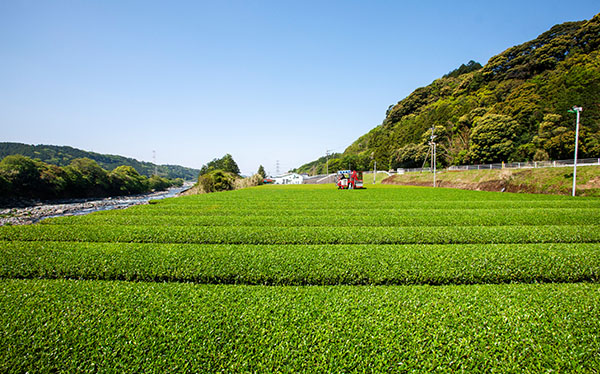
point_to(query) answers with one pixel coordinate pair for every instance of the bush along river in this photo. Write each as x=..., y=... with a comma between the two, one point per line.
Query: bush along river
x=37, y=211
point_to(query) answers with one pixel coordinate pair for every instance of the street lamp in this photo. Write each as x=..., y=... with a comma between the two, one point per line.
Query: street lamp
x=577, y=110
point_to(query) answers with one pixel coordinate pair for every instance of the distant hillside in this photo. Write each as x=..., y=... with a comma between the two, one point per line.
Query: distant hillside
x=62, y=156
x=315, y=167
x=512, y=109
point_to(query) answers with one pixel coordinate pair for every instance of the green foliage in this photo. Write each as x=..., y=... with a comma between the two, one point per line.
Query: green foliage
x=87, y=178
x=157, y=183
x=62, y=156
x=464, y=69
x=381, y=218
x=412, y=155
x=217, y=180
x=226, y=163
x=21, y=176
x=222, y=278
x=318, y=166
x=306, y=234
x=139, y=327
x=554, y=140
x=325, y=264
x=546, y=76
x=493, y=138
x=261, y=171
x=21, y=172
x=127, y=181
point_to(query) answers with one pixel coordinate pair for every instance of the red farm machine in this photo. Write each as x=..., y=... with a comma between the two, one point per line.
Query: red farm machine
x=349, y=180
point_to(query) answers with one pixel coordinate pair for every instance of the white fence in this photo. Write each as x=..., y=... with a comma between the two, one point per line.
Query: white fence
x=512, y=165
x=331, y=178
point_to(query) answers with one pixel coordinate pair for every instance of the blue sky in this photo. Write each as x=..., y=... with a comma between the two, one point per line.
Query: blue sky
x=261, y=80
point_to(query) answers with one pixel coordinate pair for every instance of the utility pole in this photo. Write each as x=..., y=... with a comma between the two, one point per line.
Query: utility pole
x=577, y=110
x=327, y=162
x=433, y=145
x=374, y=171
x=277, y=167
x=154, y=162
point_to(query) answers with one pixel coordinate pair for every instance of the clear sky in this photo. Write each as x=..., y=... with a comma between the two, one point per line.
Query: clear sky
x=261, y=80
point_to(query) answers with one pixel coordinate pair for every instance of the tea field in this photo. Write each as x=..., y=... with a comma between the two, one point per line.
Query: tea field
x=308, y=279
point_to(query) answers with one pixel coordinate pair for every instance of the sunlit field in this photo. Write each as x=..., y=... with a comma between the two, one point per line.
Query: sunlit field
x=308, y=279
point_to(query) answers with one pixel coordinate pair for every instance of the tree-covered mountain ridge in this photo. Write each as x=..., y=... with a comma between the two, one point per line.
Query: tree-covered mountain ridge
x=512, y=109
x=63, y=155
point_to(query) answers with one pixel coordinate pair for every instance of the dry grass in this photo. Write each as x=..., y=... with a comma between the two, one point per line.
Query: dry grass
x=543, y=180
x=239, y=183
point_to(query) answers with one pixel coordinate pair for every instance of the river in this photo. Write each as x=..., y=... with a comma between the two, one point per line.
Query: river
x=70, y=207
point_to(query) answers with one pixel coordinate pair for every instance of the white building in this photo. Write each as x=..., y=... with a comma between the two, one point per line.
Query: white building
x=291, y=178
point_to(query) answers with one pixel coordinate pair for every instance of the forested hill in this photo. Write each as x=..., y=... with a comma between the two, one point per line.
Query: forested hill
x=63, y=155
x=512, y=109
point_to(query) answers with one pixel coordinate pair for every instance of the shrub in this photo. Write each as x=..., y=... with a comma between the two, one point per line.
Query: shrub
x=216, y=180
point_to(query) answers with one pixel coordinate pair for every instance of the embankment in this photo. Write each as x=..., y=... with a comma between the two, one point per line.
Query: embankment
x=556, y=181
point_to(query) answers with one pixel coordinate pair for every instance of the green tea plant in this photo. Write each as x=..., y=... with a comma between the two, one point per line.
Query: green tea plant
x=308, y=279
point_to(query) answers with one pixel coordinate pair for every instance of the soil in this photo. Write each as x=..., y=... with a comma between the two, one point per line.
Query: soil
x=519, y=181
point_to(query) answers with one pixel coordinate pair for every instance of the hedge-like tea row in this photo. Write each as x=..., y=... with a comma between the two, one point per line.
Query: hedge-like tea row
x=477, y=218
x=303, y=235
x=325, y=193
x=75, y=326
x=242, y=211
x=292, y=236
x=303, y=264
x=349, y=206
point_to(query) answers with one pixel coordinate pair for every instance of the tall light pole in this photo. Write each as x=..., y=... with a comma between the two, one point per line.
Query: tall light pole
x=577, y=110
x=327, y=162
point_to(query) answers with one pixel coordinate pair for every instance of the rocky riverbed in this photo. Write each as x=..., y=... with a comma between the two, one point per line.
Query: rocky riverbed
x=27, y=212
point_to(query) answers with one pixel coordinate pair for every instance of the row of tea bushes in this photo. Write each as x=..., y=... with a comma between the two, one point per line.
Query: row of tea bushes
x=303, y=234
x=303, y=264
x=79, y=326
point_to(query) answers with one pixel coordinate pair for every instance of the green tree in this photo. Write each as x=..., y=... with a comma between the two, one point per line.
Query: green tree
x=226, y=163
x=261, y=171
x=217, y=180
x=5, y=187
x=464, y=69
x=493, y=138
x=411, y=156
x=22, y=175
x=54, y=180
x=126, y=180
x=555, y=140
x=230, y=165
x=86, y=178
x=549, y=74
x=157, y=183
